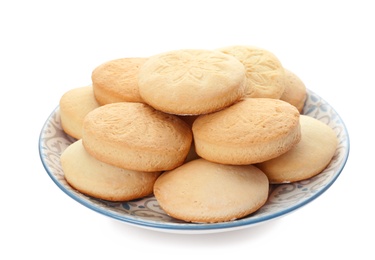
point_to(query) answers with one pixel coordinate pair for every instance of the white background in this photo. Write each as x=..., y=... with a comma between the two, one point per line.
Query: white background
x=50, y=47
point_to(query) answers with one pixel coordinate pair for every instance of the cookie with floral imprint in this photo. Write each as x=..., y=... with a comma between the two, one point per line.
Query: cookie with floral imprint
x=136, y=136
x=191, y=81
x=265, y=76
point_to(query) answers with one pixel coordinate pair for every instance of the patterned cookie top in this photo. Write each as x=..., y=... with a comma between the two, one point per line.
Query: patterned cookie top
x=191, y=81
x=264, y=72
x=135, y=125
x=137, y=137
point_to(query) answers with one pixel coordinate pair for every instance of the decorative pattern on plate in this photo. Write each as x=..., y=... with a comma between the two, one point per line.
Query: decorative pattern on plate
x=146, y=212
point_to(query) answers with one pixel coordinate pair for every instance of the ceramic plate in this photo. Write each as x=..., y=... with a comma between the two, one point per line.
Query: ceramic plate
x=146, y=213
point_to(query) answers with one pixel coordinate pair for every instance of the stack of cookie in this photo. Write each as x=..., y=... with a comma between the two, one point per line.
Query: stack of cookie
x=205, y=131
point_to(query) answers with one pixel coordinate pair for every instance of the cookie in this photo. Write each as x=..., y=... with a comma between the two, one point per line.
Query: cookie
x=135, y=136
x=295, y=90
x=103, y=181
x=264, y=72
x=75, y=104
x=250, y=131
x=116, y=81
x=206, y=192
x=191, y=82
x=308, y=158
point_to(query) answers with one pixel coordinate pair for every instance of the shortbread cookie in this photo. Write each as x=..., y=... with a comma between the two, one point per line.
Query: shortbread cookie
x=295, y=90
x=116, y=80
x=264, y=72
x=250, y=131
x=74, y=105
x=308, y=158
x=191, y=82
x=136, y=136
x=206, y=192
x=103, y=181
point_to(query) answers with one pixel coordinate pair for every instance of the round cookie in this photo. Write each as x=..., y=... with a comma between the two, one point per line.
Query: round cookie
x=101, y=180
x=308, y=158
x=74, y=106
x=136, y=136
x=116, y=80
x=264, y=72
x=191, y=82
x=295, y=90
x=250, y=131
x=206, y=192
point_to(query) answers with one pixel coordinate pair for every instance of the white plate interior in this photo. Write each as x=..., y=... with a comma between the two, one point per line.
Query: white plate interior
x=146, y=212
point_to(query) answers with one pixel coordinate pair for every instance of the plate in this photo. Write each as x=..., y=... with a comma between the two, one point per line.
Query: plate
x=146, y=213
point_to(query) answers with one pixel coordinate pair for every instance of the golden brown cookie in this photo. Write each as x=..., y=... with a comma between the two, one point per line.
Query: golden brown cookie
x=264, y=72
x=116, y=80
x=136, y=136
x=101, y=180
x=250, y=131
x=74, y=105
x=308, y=158
x=295, y=90
x=207, y=192
x=191, y=82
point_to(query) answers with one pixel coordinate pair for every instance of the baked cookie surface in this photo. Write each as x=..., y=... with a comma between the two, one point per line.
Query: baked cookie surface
x=250, y=131
x=295, y=91
x=206, y=192
x=101, y=180
x=117, y=81
x=264, y=72
x=190, y=82
x=308, y=158
x=136, y=136
x=75, y=104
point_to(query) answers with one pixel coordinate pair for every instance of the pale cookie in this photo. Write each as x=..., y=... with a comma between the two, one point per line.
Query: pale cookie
x=136, y=136
x=116, y=80
x=264, y=72
x=250, y=131
x=206, y=192
x=74, y=106
x=308, y=158
x=295, y=90
x=103, y=181
x=191, y=82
